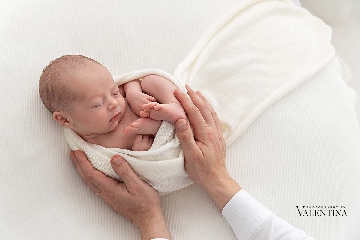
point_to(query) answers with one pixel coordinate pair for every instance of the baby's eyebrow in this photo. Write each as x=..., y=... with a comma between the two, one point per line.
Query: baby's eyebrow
x=95, y=96
x=100, y=94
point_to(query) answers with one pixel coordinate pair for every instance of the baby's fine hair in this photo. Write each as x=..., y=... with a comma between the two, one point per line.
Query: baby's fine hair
x=54, y=90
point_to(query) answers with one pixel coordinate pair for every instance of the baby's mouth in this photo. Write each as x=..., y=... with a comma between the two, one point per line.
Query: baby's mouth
x=113, y=119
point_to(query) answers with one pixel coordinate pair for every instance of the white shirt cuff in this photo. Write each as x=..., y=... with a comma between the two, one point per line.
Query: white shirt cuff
x=245, y=214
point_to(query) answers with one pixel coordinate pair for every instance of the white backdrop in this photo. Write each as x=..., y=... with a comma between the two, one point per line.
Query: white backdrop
x=302, y=150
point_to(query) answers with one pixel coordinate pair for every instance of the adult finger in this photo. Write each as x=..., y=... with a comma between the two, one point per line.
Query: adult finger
x=199, y=103
x=96, y=180
x=186, y=138
x=214, y=115
x=194, y=115
x=125, y=172
x=203, y=106
x=192, y=111
x=81, y=172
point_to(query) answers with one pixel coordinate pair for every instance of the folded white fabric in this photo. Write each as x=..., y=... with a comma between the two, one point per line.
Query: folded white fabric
x=240, y=80
x=162, y=166
x=243, y=74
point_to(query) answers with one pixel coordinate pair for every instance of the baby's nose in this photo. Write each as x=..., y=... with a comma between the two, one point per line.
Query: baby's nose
x=113, y=103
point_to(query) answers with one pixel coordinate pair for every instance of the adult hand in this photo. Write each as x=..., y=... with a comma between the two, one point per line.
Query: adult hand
x=134, y=199
x=204, y=147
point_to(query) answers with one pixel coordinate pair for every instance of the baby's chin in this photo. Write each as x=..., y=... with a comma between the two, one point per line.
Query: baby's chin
x=114, y=126
x=90, y=136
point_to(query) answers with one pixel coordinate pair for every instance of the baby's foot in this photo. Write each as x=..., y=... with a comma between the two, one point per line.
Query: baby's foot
x=137, y=99
x=147, y=106
x=143, y=126
x=170, y=112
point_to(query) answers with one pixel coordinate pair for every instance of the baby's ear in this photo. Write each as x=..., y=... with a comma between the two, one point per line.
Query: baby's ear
x=61, y=119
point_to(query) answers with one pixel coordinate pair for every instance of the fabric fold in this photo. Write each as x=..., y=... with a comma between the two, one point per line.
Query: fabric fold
x=254, y=55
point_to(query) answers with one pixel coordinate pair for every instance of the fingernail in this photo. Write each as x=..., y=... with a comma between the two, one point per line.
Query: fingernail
x=180, y=124
x=76, y=154
x=116, y=160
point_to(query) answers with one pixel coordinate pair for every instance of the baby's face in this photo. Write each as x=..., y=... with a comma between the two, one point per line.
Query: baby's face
x=99, y=106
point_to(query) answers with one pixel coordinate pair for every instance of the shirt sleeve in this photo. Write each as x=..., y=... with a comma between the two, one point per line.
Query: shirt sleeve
x=249, y=219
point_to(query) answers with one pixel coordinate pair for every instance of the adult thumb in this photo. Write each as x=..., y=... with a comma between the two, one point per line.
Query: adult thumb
x=123, y=169
x=185, y=134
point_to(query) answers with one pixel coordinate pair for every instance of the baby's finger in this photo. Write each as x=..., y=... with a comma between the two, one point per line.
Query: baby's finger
x=151, y=140
x=146, y=138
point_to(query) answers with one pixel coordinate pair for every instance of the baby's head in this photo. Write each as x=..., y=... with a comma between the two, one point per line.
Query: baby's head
x=55, y=81
x=82, y=95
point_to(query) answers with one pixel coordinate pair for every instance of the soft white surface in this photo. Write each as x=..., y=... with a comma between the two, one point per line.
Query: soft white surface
x=344, y=18
x=304, y=149
x=313, y=137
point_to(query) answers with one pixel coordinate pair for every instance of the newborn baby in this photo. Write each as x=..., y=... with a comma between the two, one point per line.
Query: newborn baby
x=82, y=95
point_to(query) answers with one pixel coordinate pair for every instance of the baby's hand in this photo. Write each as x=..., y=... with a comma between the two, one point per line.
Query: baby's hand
x=142, y=142
x=136, y=99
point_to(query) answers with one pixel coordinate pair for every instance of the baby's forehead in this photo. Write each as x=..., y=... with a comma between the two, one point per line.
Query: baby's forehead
x=83, y=85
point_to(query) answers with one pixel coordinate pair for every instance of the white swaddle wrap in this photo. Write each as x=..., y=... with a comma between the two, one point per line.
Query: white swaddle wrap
x=240, y=74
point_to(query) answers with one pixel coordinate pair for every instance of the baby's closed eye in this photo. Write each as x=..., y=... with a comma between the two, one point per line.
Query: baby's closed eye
x=97, y=105
x=117, y=93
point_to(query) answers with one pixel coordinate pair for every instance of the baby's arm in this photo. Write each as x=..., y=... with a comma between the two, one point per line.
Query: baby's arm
x=135, y=96
x=168, y=107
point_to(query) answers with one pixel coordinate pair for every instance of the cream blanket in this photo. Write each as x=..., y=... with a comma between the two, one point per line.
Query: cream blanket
x=240, y=74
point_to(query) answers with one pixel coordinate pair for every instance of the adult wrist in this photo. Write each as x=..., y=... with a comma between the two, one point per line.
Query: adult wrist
x=222, y=190
x=153, y=226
